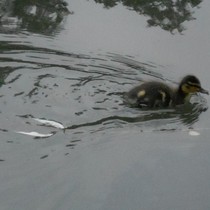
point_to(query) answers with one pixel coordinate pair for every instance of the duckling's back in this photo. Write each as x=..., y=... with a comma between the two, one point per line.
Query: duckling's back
x=151, y=94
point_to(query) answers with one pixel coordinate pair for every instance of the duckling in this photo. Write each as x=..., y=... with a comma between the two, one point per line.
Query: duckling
x=157, y=94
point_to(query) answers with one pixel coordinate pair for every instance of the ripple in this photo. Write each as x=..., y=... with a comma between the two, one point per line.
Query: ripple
x=83, y=92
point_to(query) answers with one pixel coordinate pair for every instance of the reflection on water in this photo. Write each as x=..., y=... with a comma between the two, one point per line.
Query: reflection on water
x=76, y=94
x=68, y=139
x=168, y=15
x=36, y=16
x=168, y=119
x=45, y=17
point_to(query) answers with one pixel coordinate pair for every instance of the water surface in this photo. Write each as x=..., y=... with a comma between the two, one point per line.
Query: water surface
x=71, y=65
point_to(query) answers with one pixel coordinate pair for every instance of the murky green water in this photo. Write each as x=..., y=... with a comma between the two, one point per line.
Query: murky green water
x=69, y=66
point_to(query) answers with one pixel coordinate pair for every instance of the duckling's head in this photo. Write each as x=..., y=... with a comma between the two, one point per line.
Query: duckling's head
x=191, y=84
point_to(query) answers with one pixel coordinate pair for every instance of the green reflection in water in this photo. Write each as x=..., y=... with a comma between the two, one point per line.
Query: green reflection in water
x=167, y=14
x=36, y=16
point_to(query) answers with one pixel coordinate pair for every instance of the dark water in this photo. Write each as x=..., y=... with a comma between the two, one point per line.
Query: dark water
x=70, y=66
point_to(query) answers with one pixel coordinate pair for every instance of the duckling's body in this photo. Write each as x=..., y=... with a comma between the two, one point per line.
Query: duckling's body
x=158, y=94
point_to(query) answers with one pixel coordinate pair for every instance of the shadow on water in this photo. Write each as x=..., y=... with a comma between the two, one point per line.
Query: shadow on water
x=167, y=14
x=167, y=119
x=44, y=17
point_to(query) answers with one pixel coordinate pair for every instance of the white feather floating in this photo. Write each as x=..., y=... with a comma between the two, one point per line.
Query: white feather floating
x=35, y=134
x=50, y=123
x=194, y=133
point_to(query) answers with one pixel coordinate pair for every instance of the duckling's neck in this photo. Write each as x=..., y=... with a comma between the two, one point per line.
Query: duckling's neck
x=180, y=96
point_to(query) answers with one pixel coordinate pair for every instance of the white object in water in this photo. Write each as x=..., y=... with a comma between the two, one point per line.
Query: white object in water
x=50, y=123
x=194, y=133
x=35, y=134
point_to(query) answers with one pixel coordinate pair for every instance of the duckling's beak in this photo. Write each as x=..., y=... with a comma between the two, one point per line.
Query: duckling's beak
x=204, y=91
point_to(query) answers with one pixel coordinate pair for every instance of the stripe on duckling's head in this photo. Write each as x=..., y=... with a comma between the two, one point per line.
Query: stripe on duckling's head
x=192, y=84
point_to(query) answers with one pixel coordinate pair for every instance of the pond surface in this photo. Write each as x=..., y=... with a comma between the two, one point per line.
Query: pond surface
x=67, y=138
